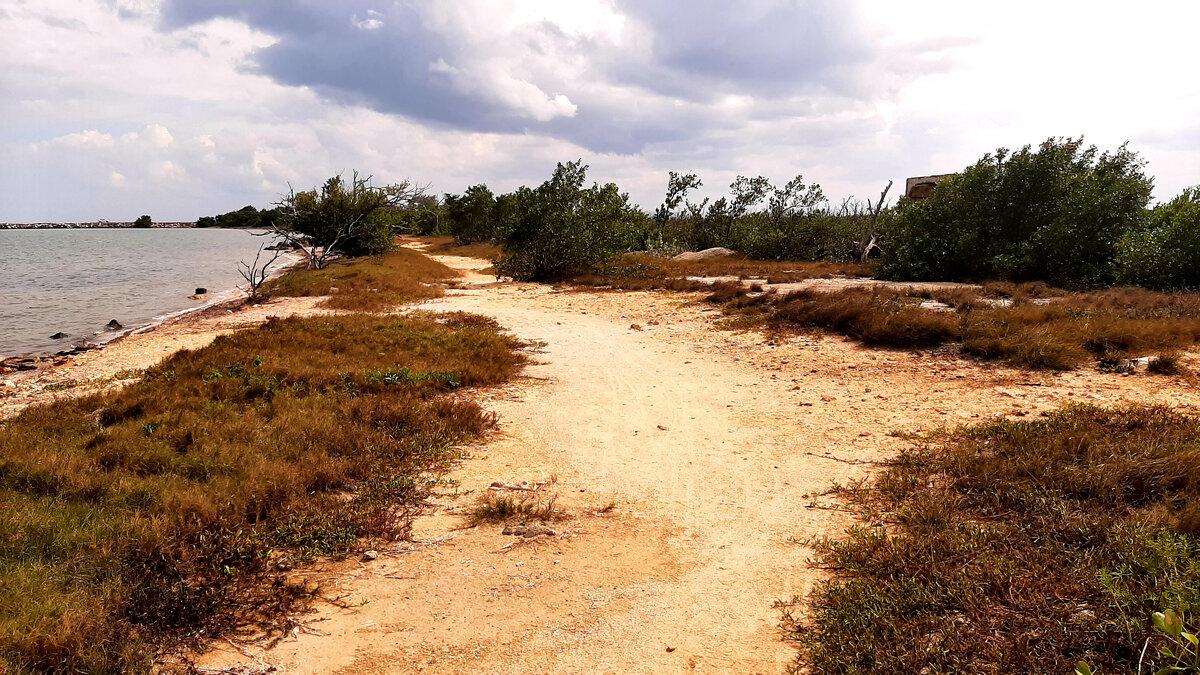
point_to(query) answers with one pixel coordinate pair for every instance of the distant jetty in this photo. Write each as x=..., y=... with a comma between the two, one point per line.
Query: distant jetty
x=76, y=226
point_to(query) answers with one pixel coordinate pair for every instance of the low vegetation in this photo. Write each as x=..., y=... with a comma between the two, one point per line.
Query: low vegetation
x=450, y=246
x=138, y=518
x=497, y=508
x=1020, y=547
x=1058, y=333
x=369, y=284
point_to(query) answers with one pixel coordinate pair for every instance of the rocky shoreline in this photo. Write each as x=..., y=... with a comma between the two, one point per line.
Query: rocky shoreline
x=82, y=226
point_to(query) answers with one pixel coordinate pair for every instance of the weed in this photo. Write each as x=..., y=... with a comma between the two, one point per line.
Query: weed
x=138, y=519
x=1105, y=326
x=495, y=508
x=1018, y=547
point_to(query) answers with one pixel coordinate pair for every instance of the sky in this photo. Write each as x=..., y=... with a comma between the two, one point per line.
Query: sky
x=182, y=108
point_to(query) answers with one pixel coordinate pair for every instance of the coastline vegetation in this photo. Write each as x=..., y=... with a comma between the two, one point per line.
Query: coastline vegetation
x=1063, y=332
x=1019, y=547
x=369, y=284
x=169, y=511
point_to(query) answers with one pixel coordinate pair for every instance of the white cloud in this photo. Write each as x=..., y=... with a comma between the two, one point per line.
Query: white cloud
x=134, y=117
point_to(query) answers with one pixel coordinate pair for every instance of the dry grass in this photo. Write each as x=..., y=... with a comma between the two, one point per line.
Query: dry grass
x=1018, y=547
x=642, y=271
x=1061, y=334
x=370, y=284
x=494, y=508
x=135, y=519
x=446, y=246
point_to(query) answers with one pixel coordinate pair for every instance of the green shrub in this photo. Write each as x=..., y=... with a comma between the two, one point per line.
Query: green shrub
x=142, y=221
x=1053, y=214
x=471, y=217
x=1166, y=253
x=560, y=227
x=351, y=218
x=759, y=220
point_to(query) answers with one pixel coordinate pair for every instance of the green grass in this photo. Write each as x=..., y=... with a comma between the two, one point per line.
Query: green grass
x=1018, y=547
x=136, y=520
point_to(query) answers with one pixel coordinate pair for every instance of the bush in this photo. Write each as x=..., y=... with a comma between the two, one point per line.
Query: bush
x=761, y=221
x=1055, y=214
x=561, y=228
x=351, y=218
x=471, y=217
x=1166, y=253
x=142, y=221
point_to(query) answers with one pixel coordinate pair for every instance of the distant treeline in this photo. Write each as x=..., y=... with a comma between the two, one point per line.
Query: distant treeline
x=1063, y=213
x=247, y=217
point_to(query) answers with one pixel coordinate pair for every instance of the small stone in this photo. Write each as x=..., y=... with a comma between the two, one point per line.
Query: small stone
x=370, y=555
x=670, y=649
x=201, y=291
x=114, y=325
x=58, y=336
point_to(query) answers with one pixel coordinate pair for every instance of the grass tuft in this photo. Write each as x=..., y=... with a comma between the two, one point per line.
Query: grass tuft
x=495, y=508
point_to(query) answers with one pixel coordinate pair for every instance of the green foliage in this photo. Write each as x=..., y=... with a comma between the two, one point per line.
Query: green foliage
x=142, y=221
x=1054, y=214
x=472, y=216
x=759, y=220
x=246, y=217
x=342, y=216
x=561, y=228
x=1165, y=254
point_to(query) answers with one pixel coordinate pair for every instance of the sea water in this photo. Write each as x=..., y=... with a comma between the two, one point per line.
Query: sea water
x=75, y=281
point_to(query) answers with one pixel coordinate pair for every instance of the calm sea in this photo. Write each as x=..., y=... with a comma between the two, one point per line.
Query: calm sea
x=76, y=281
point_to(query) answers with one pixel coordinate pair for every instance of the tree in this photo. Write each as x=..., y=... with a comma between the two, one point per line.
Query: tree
x=336, y=220
x=256, y=273
x=561, y=228
x=143, y=221
x=1165, y=254
x=472, y=215
x=1053, y=214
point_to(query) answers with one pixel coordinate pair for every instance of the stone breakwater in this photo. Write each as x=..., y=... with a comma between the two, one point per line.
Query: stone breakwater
x=77, y=226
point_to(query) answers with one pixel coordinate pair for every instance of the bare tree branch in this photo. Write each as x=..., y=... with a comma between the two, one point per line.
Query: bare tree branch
x=255, y=273
x=870, y=238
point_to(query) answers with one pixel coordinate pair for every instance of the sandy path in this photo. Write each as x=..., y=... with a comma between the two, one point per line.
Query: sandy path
x=708, y=443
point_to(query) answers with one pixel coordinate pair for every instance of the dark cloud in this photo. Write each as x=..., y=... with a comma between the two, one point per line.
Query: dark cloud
x=705, y=48
x=667, y=85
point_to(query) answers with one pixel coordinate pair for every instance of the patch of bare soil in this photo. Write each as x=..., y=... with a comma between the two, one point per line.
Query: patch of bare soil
x=691, y=462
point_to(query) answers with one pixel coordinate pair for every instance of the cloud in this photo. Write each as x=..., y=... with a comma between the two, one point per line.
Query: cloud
x=183, y=108
x=608, y=78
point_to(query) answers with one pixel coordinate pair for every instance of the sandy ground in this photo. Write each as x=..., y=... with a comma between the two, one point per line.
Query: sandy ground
x=711, y=447
x=692, y=462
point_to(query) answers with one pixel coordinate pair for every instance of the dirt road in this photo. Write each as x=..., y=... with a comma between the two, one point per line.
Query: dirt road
x=688, y=459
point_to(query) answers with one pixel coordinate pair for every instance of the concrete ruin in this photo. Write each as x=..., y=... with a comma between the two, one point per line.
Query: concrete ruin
x=920, y=187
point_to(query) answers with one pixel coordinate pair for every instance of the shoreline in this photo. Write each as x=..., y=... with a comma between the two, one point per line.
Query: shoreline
x=100, y=367
x=103, y=338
